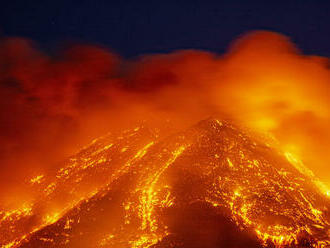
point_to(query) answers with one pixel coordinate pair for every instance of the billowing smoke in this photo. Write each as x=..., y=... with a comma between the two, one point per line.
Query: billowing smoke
x=51, y=105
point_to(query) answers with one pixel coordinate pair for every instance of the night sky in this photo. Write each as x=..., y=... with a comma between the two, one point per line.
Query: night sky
x=135, y=28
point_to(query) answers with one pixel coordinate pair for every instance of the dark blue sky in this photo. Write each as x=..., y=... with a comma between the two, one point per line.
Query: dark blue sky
x=137, y=27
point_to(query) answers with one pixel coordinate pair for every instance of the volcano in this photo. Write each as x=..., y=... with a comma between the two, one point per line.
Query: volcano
x=211, y=185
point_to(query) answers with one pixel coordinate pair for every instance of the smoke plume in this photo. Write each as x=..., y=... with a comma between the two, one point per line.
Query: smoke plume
x=51, y=105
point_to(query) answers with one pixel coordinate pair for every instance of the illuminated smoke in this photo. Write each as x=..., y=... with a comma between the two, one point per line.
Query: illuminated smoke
x=52, y=105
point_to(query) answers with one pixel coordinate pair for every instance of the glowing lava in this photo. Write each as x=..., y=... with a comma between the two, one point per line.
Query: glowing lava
x=134, y=190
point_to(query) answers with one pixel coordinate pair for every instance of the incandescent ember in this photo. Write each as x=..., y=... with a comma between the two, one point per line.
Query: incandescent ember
x=211, y=185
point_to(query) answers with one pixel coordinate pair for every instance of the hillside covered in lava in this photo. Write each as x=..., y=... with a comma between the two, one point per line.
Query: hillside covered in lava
x=211, y=185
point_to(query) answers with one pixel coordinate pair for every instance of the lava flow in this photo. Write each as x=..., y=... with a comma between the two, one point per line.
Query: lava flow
x=211, y=185
x=179, y=178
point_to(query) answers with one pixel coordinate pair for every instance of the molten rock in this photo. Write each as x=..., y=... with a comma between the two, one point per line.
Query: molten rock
x=209, y=186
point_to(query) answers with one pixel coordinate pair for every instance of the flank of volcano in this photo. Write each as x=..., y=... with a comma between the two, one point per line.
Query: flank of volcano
x=212, y=185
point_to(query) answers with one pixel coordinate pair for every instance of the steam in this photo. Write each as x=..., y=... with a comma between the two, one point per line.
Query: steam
x=52, y=105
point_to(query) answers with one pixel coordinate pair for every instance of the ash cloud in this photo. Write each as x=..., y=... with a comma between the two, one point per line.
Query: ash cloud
x=53, y=104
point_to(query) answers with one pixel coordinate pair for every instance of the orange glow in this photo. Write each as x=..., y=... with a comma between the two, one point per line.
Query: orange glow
x=263, y=156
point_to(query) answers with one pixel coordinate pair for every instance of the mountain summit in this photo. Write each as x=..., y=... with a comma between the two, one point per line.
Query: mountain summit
x=212, y=185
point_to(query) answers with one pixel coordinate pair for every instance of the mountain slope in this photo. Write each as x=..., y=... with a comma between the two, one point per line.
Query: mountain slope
x=211, y=185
